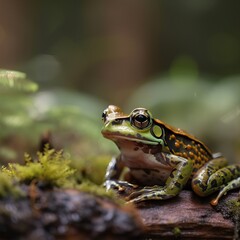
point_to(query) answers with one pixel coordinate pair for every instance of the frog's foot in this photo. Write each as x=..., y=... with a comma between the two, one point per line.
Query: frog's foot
x=149, y=193
x=119, y=186
x=231, y=185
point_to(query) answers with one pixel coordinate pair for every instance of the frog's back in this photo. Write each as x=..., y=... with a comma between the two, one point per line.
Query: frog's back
x=185, y=145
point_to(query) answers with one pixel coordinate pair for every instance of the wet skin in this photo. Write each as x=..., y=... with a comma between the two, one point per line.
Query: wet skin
x=162, y=158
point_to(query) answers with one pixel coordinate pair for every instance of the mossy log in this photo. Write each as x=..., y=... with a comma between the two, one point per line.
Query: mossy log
x=71, y=214
x=66, y=214
x=187, y=217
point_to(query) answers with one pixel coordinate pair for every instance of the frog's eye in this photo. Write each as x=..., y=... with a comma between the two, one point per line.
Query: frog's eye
x=140, y=120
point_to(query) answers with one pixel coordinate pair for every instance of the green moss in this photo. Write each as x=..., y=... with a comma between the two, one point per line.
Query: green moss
x=8, y=188
x=176, y=231
x=234, y=208
x=93, y=168
x=231, y=209
x=97, y=190
x=50, y=168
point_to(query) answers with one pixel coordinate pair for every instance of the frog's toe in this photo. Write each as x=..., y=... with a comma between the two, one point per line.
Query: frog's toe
x=140, y=193
x=127, y=184
x=109, y=184
x=118, y=185
x=150, y=194
x=136, y=198
x=147, y=193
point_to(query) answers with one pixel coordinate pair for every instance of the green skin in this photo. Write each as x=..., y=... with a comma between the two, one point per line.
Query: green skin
x=162, y=159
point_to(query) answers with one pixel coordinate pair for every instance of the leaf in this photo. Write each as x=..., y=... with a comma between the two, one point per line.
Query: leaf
x=16, y=81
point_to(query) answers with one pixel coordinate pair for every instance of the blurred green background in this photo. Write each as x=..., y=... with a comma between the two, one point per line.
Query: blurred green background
x=180, y=59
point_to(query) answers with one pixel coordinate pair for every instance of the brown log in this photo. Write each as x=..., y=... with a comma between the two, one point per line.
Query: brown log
x=186, y=216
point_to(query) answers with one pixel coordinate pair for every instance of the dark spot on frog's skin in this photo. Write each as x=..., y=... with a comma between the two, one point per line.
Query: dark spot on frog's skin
x=200, y=184
x=156, y=149
x=233, y=170
x=146, y=149
x=203, y=187
x=197, y=162
x=160, y=157
x=210, y=168
x=148, y=171
x=224, y=180
x=181, y=176
x=138, y=135
x=136, y=148
x=195, y=170
x=196, y=182
x=140, y=144
x=153, y=194
x=172, y=174
x=214, y=183
x=149, y=149
x=225, y=174
x=178, y=185
x=184, y=164
x=160, y=196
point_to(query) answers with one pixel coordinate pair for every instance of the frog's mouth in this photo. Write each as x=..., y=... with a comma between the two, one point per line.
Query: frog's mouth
x=118, y=136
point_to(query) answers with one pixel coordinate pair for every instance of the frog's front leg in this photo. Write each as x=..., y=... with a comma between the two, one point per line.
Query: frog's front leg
x=182, y=170
x=215, y=175
x=114, y=170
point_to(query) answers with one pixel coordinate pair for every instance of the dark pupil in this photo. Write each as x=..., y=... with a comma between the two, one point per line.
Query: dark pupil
x=141, y=118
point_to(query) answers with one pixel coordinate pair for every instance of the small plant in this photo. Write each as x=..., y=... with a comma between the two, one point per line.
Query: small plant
x=50, y=168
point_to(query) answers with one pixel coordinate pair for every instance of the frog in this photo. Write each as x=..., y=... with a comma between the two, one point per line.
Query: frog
x=162, y=159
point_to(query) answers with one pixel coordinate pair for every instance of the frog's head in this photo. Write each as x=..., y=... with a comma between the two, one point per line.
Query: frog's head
x=138, y=126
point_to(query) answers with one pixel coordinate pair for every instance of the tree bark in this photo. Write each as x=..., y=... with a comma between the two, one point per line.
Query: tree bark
x=186, y=217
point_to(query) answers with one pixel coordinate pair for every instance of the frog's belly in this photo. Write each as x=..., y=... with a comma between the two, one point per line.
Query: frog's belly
x=145, y=169
x=149, y=177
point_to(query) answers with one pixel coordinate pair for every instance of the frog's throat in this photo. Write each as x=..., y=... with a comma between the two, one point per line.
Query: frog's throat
x=118, y=136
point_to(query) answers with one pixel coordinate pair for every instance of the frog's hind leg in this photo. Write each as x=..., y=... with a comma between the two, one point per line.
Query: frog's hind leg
x=230, y=186
x=214, y=175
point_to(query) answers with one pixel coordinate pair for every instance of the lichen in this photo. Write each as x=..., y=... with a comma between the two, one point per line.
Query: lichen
x=51, y=168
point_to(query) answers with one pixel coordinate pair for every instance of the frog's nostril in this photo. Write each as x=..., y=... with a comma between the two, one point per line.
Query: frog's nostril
x=104, y=117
